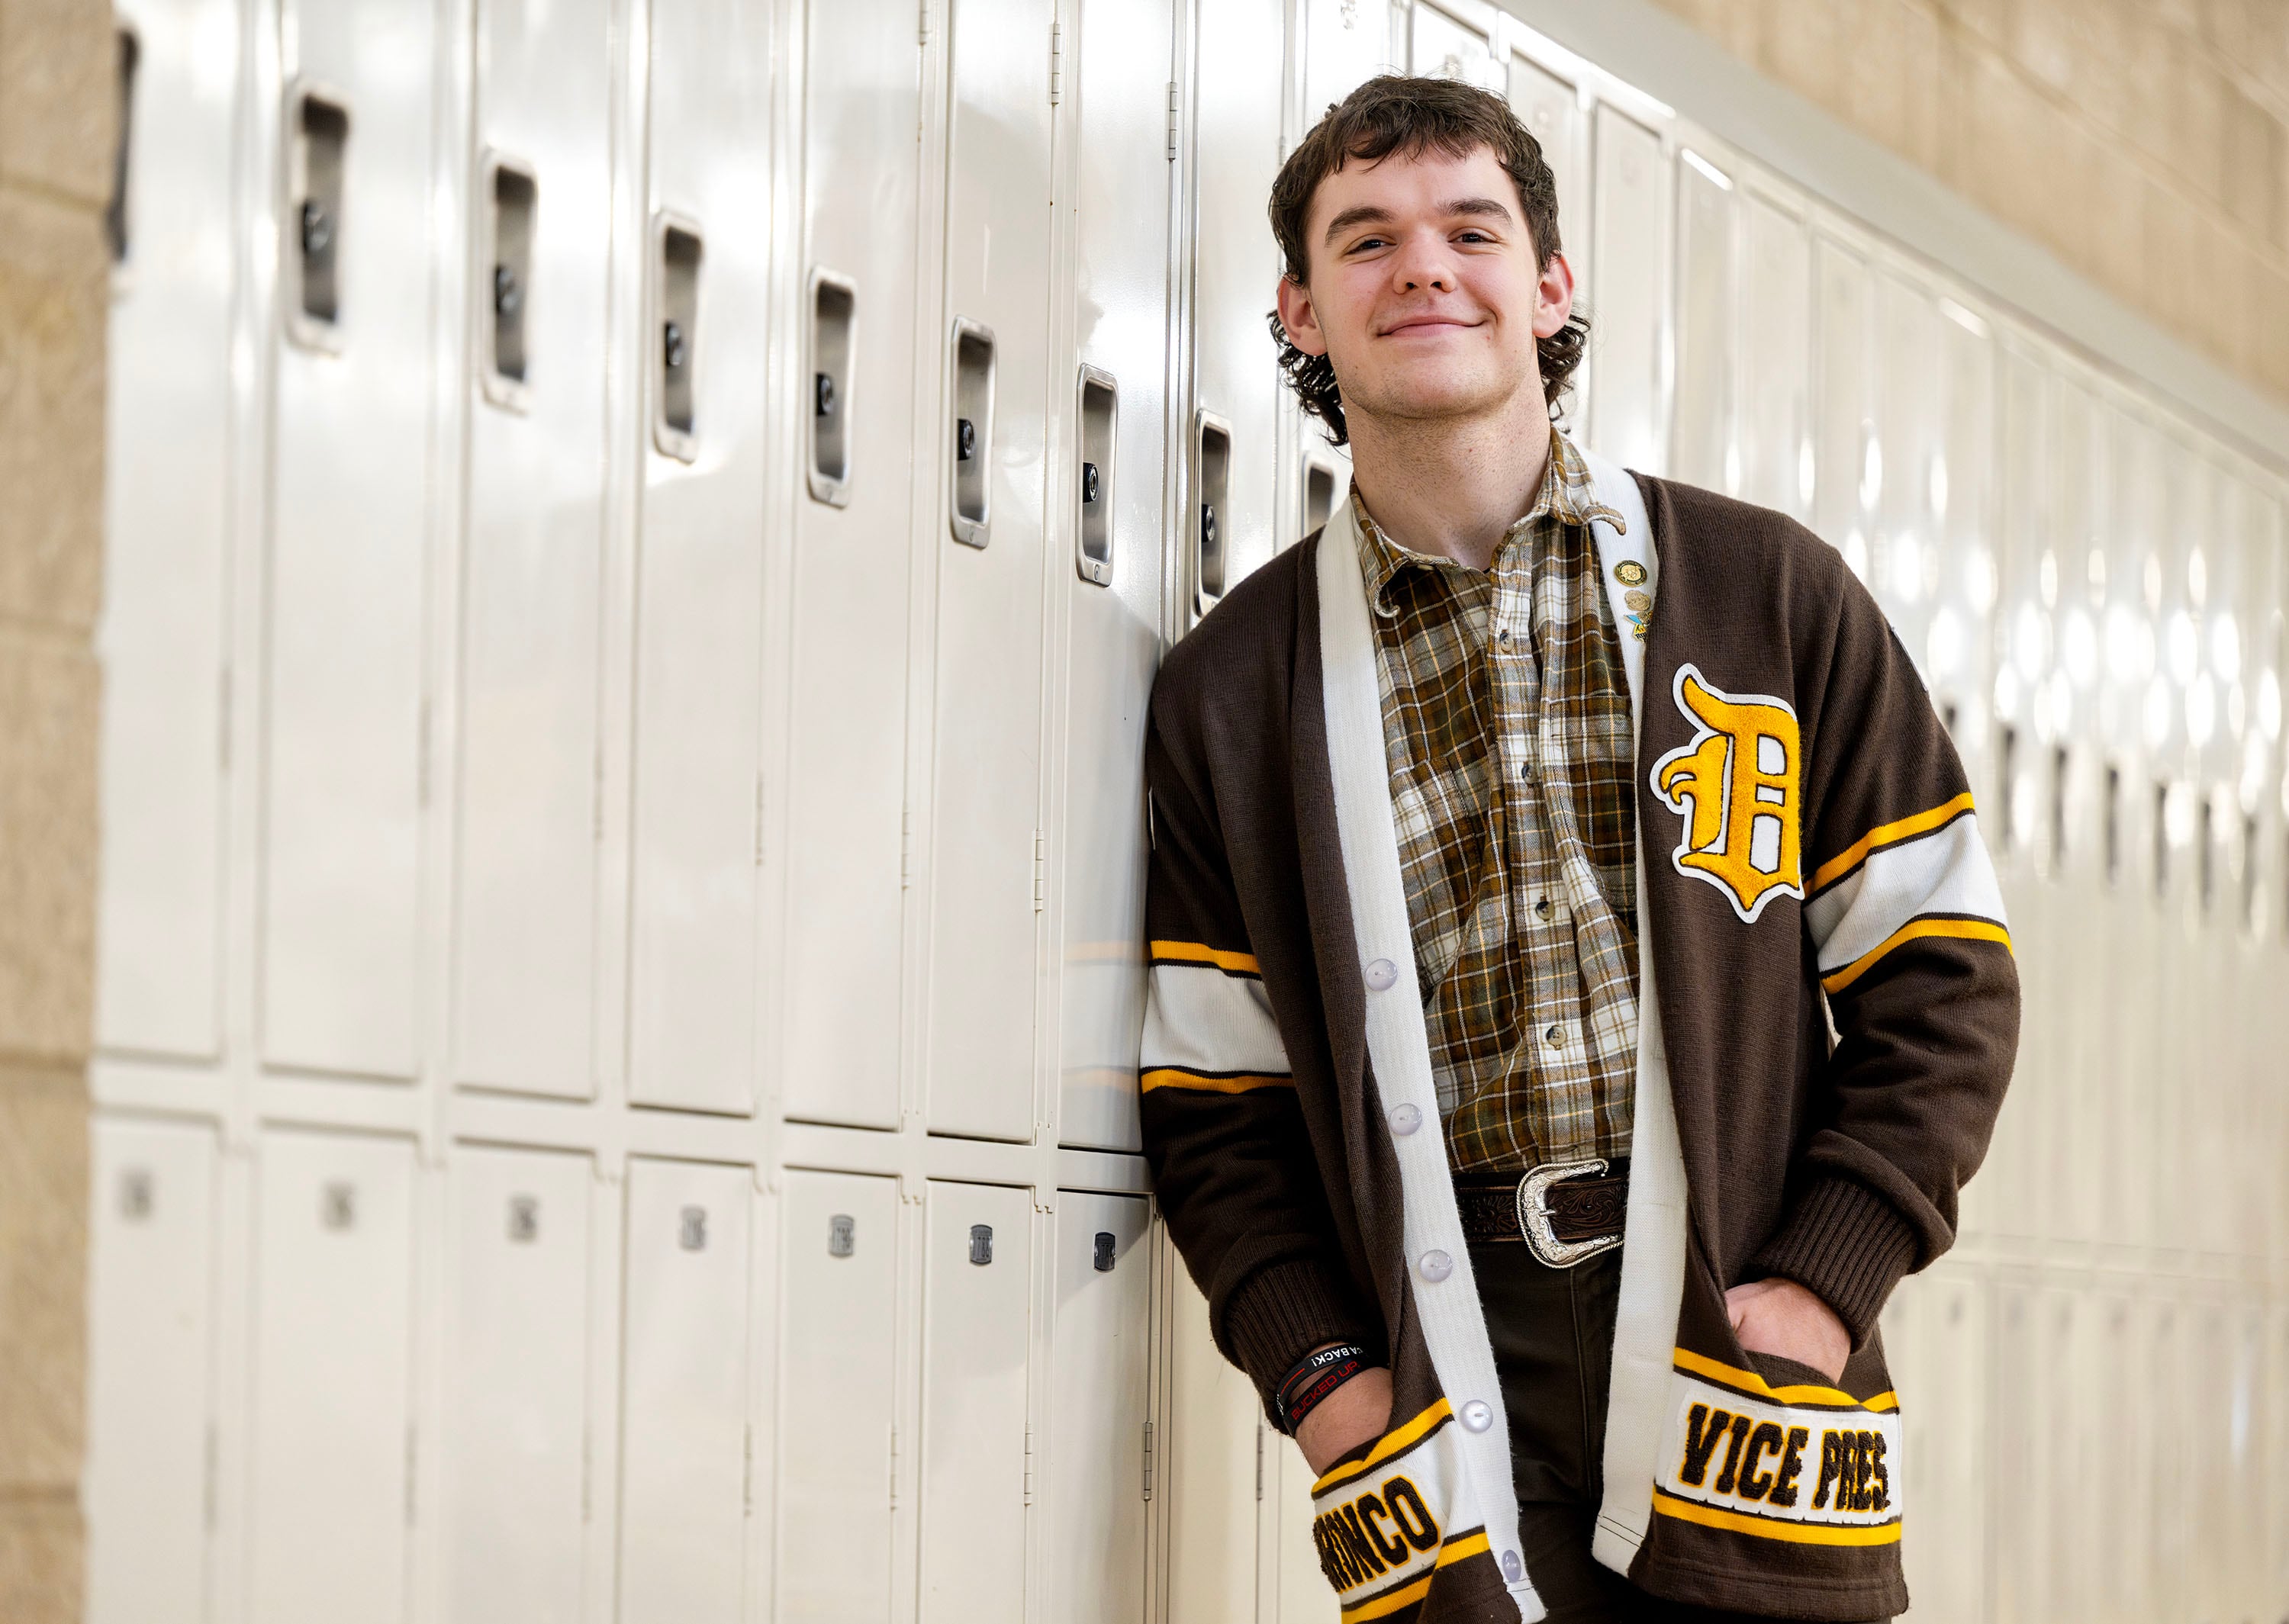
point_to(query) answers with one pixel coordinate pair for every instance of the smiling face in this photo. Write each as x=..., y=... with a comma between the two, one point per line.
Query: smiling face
x=1426, y=290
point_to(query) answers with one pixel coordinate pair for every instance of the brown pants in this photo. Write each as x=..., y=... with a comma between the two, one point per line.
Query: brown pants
x=1554, y=1338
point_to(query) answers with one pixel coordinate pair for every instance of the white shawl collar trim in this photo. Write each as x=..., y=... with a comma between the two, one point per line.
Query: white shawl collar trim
x=1652, y=1268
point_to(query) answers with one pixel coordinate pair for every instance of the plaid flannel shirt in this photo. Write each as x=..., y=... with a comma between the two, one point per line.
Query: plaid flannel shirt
x=1506, y=722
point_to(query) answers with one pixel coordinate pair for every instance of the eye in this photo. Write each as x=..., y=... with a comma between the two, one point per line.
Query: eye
x=1367, y=243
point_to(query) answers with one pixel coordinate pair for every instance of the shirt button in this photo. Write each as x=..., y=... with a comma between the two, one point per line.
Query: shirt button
x=1405, y=1119
x=1513, y=1569
x=1554, y=1038
x=1542, y=907
x=1478, y=1416
x=1502, y=636
x=1436, y=1266
x=1382, y=975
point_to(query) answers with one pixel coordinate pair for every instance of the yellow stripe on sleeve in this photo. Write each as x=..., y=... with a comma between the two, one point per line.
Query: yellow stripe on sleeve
x=1772, y=1528
x=1962, y=930
x=1197, y=952
x=1394, y=1442
x=1888, y=834
x=1749, y=1382
x=1169, y=1076
x=1406, y=1595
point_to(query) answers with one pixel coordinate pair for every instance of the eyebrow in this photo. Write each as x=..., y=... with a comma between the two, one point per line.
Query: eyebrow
x=1368, y=214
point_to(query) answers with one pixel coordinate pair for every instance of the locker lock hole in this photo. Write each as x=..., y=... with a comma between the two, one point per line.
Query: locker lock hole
x=135, y=1194
x=965, y=440
x=981, y=1244
x=822, y=394
x=1088, y=483
x=692, y=1233
x=841, y=1235
x=506, y=294
x=1208, y=525
x=672, y=347
x=524, y=1218
x=337, y=1205
x=1104, y=1258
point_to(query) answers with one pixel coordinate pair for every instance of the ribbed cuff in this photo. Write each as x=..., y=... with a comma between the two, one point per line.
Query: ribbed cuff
x=1279, y=1314
x=1848, y=1245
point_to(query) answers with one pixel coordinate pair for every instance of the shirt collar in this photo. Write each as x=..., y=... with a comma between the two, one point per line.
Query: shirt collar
x=1567, y=492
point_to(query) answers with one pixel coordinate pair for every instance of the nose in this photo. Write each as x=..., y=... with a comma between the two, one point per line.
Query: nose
x=1424, y=265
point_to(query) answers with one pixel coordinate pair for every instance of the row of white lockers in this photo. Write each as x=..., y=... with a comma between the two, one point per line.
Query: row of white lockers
x=562, y=776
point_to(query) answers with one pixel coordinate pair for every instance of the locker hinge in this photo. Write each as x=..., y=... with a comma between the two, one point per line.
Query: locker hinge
x=222, y=718
x=905, y=847
x=1148, y=1460
x=1029, y=1466
x=1057, y=61
x=1041, y=869
x=747, y=1472
x=1259, y=1460
x=422, y=745
x=412, y=1471
x=925, y=22
x=894, y=1468
x=1173, y=105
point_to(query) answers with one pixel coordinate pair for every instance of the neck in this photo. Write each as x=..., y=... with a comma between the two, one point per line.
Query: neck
x=1452, y=487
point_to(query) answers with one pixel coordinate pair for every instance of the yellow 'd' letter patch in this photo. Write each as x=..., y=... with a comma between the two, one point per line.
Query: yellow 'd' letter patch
x=1735, y=787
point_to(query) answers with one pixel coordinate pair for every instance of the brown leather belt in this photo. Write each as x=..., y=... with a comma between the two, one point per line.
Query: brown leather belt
x=1565, y=1212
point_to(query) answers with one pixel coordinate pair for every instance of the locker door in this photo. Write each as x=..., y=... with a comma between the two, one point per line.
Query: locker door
x=977, y=1277
x=332, y=1432
x=1936, y=1333
x=1551, y=109
x=1209, y=1467
x=1774, y=425
x=1703, y=448
x=853, y=535
x=1099, y=1381
x=166, y=541
x=1447, y=50
x=1114, y=588
x=699, y=636
x=1843, y=430
x=149, y=1361
x=350, y=512
x=683, y=1418
x=1628, y=252
x=523, y=967
x=516, y=1396
x=1344, y=45
x=838, y=1393
x=986, y=819
x=1236, y=266
x=1904, y=560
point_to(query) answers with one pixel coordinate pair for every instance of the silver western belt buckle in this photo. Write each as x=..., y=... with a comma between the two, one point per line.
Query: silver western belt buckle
x=1533, y=1215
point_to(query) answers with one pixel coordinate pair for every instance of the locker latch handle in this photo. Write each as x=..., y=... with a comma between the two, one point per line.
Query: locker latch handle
x=834, y=351
x=969, y=496
x=317, y=161
x=1212, y=485
x=512, y=205
x=679, y=254
x=1097, y=404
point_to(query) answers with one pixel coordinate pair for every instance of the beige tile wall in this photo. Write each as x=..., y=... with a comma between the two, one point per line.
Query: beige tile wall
x=2145, y=142
x=57, y=72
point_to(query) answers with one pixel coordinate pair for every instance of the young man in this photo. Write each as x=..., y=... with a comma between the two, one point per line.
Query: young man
x=1578, y=986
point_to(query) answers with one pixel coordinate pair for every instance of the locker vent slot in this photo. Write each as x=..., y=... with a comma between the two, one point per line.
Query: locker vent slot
x=676, y=423
x=318, y=153
x=981, y=1244
x=833, y=311
x=1099, y=408
x=1212, y=485
x=515, y=197
x=1318, y=494
x=116, y=222
x=841, y=1235
x=972, y=446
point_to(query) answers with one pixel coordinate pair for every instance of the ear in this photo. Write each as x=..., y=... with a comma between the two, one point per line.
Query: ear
x=1553, y=297
x=1301, y=320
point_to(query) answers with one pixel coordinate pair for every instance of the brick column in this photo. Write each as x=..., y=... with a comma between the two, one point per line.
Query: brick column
x=57, y=98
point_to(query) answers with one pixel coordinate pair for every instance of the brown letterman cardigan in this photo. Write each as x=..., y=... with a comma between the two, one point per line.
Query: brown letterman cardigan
x=1804, y=826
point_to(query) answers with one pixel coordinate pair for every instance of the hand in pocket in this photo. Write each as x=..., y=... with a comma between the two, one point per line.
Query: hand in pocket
x=1781, y=1318
x=1352, y=1415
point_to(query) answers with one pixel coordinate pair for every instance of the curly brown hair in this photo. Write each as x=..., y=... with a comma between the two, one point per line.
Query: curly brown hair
x=1395, y=112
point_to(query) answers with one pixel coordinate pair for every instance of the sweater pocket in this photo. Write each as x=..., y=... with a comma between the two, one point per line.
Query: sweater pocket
x=1386, y=1520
